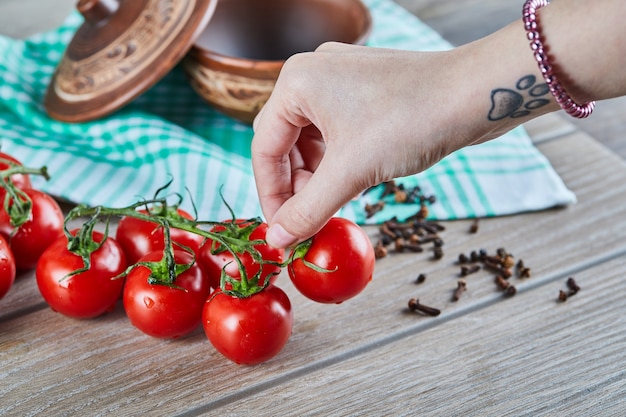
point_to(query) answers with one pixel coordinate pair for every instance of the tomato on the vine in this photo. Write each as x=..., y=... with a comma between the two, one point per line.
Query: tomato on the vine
x=214, y=258
x=86, y=294
x=338, y=263
x=248, y=330
x=31, y=239
x=166, y=310
x=139, y=237
x=21, y=181
x=7, y=267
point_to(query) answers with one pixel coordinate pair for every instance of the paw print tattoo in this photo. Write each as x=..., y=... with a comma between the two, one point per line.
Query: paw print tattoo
x=511, y=103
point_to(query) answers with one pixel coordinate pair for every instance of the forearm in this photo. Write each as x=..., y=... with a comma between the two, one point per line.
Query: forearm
x=586, y=43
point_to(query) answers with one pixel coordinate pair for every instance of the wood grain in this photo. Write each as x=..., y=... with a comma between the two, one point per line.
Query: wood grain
x=528, y=356
x=75, y=367
x=484, y=355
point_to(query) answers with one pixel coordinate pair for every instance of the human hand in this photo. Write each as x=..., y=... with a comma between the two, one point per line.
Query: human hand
x=340, y=120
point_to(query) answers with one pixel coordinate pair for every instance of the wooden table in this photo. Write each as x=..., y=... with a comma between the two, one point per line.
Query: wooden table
x=484, y=355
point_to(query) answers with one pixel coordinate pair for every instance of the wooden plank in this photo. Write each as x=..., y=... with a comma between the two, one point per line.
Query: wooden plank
x=529, y=356
x=75, y=367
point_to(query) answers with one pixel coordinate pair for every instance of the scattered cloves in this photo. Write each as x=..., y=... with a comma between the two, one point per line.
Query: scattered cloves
x=466, y=270
x=380, y=251
x=502, y=283
x=371, y=209
x=460, y=289
x=573, y=289
x=510, y=291
x=572, y=285
x=463, y=258
x=414, y=305
x=402, y=244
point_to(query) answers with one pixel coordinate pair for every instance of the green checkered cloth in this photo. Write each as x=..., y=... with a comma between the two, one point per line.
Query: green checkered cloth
x=169, y=133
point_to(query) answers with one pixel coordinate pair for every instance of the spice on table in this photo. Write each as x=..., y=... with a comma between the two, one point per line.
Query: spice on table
x=420, y=278
x=572, y=285
x=510, y=291
x=414, y=305
x=467, y=270
x=474, y=227
x=573, y=288
x=460, y=289
x=371, y=209
x=502, y=283
x=380, y=251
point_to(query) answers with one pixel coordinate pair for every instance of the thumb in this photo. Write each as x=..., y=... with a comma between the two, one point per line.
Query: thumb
x=309, y=209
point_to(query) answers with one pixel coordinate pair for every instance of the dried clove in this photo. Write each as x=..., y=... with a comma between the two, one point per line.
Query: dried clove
x=400, y=196
x=402, y=244
x=524, y=272
x=498, y=269
x=463, y=258
x=572, y=285
x=371, y=209
x=573, y=289
x=474, y=226
x=466, y=270
x=510, y=291
x=503, y=284
x=420, y=278
x=380, y=251
x=460, y=289
x=414, y=305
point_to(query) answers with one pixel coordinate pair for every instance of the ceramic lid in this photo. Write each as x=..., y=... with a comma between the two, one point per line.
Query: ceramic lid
x=122, y=49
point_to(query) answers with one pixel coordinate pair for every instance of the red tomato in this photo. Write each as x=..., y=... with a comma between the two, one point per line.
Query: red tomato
x=44, y=226
x=163, y=311
x=248, y=330
x=87, y=294
x=21, y=181
x=346, y=253
x=140, y=237
x=7, y=267
x=213, y=263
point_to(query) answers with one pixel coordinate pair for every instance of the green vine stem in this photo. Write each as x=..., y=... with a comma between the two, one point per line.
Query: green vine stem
x=166, y=216
x=16, y=202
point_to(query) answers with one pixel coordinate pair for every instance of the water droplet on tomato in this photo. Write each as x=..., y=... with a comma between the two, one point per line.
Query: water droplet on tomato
x=149, y=302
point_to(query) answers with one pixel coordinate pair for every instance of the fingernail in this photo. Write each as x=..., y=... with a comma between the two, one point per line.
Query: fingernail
x=278, y=237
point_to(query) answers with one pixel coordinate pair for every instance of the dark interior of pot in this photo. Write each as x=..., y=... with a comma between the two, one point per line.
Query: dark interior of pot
x=276, y=29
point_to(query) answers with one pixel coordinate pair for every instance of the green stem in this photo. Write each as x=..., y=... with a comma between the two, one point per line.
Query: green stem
x=166, y=217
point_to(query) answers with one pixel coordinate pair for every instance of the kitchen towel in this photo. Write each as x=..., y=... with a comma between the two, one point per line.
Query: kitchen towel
x=170, y=134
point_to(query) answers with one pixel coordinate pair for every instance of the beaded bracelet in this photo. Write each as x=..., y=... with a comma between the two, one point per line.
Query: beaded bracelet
x=536, y=45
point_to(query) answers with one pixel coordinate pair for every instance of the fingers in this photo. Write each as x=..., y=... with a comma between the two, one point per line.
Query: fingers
x=322, y=195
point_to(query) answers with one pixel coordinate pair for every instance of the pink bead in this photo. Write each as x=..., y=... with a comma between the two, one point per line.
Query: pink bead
x=529, y=16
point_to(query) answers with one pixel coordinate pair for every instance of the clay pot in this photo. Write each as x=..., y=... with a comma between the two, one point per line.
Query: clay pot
x=236, y=60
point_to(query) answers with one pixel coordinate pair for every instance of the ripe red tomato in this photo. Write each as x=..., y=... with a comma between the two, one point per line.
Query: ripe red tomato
x=7, y=267
x=87, y=294
x=21, y=181
x=139, y=237
x=248, y=330
x=213, y=263
x=343, y=249
x=164, y=311
x=44, y=226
